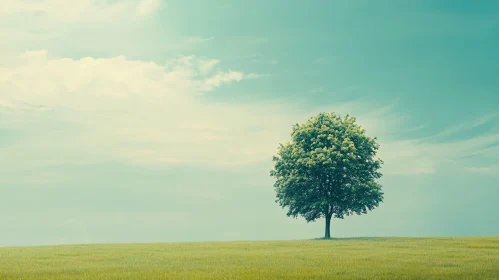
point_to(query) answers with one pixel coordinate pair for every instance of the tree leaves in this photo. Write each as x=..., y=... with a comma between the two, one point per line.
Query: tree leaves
x=328, y=168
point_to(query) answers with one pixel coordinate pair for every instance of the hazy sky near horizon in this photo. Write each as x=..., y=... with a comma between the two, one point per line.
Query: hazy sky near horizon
x=156, y=120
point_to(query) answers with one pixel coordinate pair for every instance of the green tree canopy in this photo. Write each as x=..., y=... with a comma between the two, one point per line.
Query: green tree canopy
x=328, y=169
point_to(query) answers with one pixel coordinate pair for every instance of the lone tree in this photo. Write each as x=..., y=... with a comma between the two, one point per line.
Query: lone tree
x=328, y=169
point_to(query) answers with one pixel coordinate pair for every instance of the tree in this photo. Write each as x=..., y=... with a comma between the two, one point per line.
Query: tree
x=328, y=169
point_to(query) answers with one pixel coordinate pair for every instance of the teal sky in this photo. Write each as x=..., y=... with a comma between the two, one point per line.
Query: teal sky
x=149, y=120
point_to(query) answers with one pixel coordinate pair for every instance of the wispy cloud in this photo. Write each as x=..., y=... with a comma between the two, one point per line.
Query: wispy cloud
x=425, y=155
x=68, y=11
x=207, y=66
x=28, y=24
x=490, y=170
x=147, y=7
x=484, y=119
x=256, y=76
x=221, y=78
x=116, y=109
x=197, y=39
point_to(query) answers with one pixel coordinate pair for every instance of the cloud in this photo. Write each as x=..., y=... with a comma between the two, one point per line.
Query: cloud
x=79, y=11
x=206, y=66
x=147, y=7
x=93, y=110
x=491, y=170
x=226, y=77
x=197, y=40
x=230, y=76
x=255, y=76
x=426, y=155
x=484, y=119
x=120, y=109
x=67, y=11
x=88, y=27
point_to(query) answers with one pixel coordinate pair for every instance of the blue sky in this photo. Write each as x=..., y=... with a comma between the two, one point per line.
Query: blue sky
x=149, y=120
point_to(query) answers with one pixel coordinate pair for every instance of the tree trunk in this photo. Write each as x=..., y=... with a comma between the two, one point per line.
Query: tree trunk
x=327, y=235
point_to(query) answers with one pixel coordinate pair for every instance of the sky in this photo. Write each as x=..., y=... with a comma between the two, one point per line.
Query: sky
x=156, y=120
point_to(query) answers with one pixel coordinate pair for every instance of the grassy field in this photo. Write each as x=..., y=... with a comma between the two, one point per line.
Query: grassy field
x=369, y=258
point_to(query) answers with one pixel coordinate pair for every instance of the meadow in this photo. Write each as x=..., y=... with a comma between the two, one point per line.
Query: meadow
x=356, y=258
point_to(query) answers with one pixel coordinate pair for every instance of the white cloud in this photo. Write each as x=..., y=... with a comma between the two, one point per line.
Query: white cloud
x=116, y=108
x=79, y=11
x=87, y=26
x=147, y=7
x=255, y=76
x=224, y=77
x=67, y=11
x=94, y=110
x=207, y=66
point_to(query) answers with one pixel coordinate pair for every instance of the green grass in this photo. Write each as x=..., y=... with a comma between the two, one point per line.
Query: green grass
x=364, y=258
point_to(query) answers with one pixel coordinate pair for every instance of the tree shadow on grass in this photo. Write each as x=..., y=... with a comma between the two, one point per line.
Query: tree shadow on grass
x=353, y=238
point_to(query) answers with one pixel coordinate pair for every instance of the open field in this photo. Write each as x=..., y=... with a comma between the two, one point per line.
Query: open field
x=364, y=258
